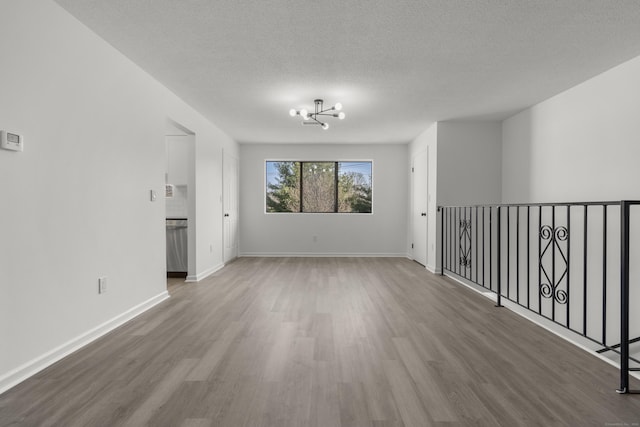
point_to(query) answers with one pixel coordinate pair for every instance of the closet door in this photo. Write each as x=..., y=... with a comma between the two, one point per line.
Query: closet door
x=230, y=206
x=420, y=177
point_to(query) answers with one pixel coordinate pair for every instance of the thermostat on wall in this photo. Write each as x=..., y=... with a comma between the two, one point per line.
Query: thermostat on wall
x=11, y=141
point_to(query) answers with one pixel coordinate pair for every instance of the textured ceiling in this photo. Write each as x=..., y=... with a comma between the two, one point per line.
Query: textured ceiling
x=396, y=66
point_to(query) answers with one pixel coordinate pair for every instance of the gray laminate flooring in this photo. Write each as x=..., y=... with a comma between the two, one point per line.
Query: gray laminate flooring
x=324, y=342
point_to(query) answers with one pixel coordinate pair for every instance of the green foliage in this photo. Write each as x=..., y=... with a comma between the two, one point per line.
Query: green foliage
x=354, y=193
x=284, y=195
x=318, y=188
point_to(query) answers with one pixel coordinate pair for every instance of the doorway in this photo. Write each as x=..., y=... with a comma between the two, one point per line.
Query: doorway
x=230, y=206
x=179, y=197
x=420, y=219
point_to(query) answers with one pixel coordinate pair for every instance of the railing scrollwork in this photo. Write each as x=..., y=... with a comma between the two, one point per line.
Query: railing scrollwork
x=553, y=238
x=465, y=243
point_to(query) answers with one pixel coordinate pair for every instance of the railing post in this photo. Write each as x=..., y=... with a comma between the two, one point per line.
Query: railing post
x=441, y=210
x=499, y=259
x=624, y=297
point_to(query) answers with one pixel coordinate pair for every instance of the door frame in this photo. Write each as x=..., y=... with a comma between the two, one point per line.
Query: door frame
x=226, y=157
x=425, y=186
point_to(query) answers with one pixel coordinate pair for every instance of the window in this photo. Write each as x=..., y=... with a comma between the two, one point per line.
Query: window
x=318, y=187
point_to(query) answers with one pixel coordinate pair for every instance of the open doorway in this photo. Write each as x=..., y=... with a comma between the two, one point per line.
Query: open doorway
x=179, y=203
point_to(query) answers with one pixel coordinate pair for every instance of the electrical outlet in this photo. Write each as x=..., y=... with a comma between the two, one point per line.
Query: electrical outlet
x=102, y=285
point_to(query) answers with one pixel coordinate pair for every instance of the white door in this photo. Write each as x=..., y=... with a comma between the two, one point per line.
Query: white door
x=230, y=206
x=420, y=187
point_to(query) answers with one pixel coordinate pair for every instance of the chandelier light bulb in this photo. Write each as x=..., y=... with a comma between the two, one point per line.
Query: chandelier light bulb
x=304, y=113
x=341, y=115
x=338, y=107
x=293, y=112
x=325, y=126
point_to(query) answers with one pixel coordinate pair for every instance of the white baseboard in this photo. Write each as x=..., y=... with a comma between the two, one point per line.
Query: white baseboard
x=433, y=269
x=323, y=255
x=21, y=373
x=522, y=312
x=208, y=272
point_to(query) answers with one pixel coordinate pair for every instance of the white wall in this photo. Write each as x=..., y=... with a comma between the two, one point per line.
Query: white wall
x=75, y=204
x=382, y=233
x=469, y=163
x=581, y=145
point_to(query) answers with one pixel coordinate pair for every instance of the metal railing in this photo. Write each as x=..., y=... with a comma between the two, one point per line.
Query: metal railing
x=566, y=262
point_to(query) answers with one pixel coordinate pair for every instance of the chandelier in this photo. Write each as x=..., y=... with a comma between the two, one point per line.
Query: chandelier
x=315, y=118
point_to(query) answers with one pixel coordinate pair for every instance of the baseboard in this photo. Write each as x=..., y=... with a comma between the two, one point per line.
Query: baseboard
x=322, y=255
x=532, y=318
x=203, y=275
x=16, y=376
x=433, y=269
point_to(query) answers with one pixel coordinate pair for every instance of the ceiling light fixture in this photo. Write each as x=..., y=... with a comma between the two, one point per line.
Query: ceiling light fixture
x=312, y=118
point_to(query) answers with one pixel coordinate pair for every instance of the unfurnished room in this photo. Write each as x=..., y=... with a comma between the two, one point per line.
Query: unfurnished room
x=337, y=213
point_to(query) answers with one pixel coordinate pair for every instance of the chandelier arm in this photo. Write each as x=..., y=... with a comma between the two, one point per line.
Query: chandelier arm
x=324, y=111
x=316, y=120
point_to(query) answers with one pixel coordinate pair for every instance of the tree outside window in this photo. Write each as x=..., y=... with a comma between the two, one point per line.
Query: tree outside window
x=319, y=187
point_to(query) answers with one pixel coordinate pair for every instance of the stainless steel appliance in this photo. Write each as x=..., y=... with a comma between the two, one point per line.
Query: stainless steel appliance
x=177, y=231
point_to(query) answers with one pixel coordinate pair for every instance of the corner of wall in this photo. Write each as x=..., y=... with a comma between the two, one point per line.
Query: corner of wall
x=32, y=367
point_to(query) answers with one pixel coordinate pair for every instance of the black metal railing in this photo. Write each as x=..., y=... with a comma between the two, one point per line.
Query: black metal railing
x=566, y=262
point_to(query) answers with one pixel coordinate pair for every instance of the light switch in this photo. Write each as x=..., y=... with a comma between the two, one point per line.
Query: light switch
x=102, y=285
x=153, y=195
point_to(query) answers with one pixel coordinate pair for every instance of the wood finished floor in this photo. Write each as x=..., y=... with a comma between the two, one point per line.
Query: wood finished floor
x=324, y=342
